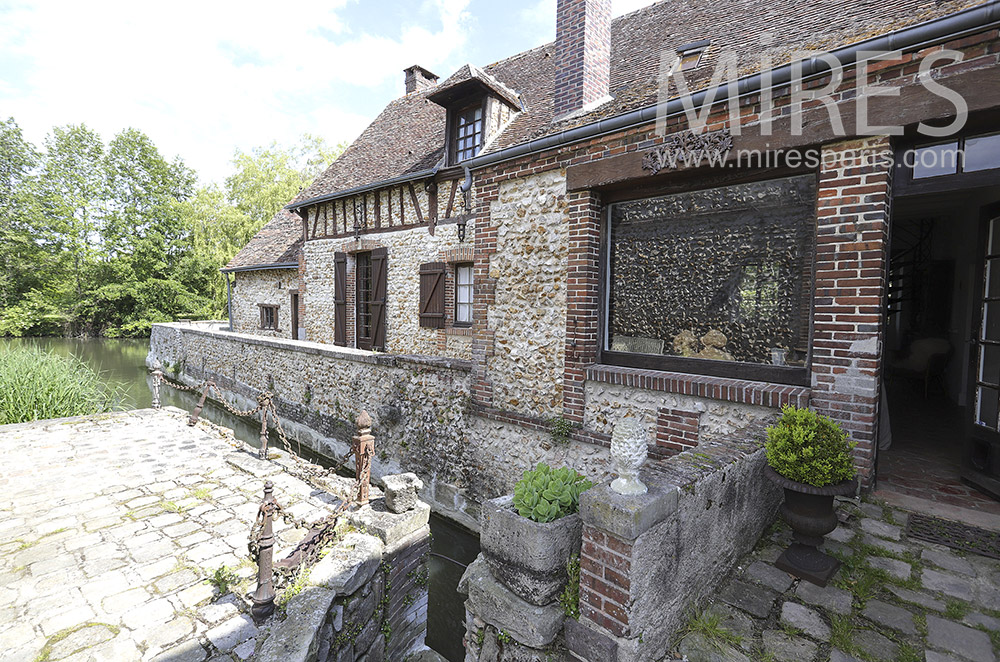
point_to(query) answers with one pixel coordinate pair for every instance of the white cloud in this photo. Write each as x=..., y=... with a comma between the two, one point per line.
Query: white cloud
x=206, y=78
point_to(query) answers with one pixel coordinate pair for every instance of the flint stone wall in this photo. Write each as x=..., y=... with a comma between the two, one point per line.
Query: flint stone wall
x=407, y=250
x=366, y=599
x=251, y=288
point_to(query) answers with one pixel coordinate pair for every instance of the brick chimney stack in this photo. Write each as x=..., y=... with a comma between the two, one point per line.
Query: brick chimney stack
x=418, y=78
x=583, y=53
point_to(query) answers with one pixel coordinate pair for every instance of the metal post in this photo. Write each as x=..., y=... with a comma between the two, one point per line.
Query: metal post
x=263, y=597
x=193, y=419
x=263, y=431
x=364, y=449
x=157, y=377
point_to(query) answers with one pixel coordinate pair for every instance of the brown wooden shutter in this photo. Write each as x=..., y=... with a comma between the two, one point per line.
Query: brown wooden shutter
x=340, y=299
x=432, y=276
x=380, y=272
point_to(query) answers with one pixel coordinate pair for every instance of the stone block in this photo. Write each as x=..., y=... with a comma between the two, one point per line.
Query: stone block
x=754, y=600
x=528, y=557
x=350, y=564
x=830, y=598
x=972, y=644
x=895, y=567
x=805, y=619
x=492, y=602
x=770, y=576
x=374, y=519
x=627, y=516
x=890, y=616
x=296, y=639
x=786, y=648
x=948, y=560
x=401, y=492
x=588, y=644
x=696, y=647
x=253, y=465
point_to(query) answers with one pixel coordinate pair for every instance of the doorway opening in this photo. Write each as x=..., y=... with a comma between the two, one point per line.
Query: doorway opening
x=938, y=406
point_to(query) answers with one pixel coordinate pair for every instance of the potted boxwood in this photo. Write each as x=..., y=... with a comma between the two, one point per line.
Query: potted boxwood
x=809, y=456
x=527, y=537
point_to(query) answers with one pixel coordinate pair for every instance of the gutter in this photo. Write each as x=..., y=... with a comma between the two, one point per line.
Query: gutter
x=261, y=267
x=914, y=37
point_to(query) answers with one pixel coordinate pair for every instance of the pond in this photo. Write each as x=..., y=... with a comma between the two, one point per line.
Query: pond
x=452, y=547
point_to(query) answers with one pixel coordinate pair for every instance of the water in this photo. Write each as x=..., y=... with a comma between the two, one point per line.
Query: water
x=452, y=547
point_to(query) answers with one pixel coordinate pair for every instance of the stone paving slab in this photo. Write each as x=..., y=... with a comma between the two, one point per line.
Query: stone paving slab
x=109, y=530
x=893, y=600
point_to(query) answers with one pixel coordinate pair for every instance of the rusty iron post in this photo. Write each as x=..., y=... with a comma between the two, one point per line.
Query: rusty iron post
x=157, y=378
x=364, y=449
x=263, y=597
x=263, y=432
x=193, y=419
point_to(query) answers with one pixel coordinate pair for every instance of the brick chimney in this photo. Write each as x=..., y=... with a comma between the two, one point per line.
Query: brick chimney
x=418, y=78
x=583, y=53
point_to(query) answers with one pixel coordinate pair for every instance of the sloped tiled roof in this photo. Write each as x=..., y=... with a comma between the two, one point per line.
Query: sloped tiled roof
x=408, y=137
x=278, y=242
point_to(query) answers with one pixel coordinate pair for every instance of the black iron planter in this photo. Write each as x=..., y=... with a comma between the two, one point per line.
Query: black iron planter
x=809, y=511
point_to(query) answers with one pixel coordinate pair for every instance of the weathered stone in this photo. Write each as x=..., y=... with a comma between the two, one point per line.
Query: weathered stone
x=837, y=655
x=528, y=557
x=492, y=602
x=246, y=649
x=916, y=598
x=964, y=641
x=587, y=643
x=871, y=510
x=389, y=527
x=401, y=491
x=188, y=651
x=896, y=568
x=988, y=622
x=948, y=560
x=934, y=656
x=786, y=648
x=85, y=637
x=875, y=645
x=627, y=516
x=768, y=575
x=949, y=584
x=696, y=647
x=735, y=622
x=890, y=616
x=805, y=619
x=829, y=597
x=888, y=545
x=230, y=634
x=350, y=564
x=881, y=529
x=754, y=600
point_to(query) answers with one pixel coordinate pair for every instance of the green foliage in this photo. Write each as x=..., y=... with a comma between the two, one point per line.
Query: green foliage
x=503, y=637
x=222, y=579
x=569, y=599
x=561, y=429
x=710, y=625
x=545, y=494
x=808, y=448
x=36, y=385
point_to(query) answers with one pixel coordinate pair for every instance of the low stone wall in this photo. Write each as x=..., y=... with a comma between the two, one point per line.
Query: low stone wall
x=272, y=287
x=645, y=560
x=366, y=599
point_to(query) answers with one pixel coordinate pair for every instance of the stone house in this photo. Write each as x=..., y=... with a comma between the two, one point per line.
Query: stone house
x=510, y=260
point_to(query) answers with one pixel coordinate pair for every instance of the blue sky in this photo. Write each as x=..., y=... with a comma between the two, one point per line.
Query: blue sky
x=204, y=79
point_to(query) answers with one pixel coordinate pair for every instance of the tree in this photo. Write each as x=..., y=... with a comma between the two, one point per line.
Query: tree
x=18, y=159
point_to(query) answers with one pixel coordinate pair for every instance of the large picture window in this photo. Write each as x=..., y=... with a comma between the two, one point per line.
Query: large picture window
x=716, y=281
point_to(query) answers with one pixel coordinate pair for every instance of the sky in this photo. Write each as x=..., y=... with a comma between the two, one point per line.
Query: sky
x=207, y=79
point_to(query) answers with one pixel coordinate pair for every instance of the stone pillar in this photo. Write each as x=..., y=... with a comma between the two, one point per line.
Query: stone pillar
x=364, y=449
x=852, y=239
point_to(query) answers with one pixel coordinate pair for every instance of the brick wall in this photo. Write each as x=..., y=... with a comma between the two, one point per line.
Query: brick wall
x=605, y=566
x=583, y=53
x=852, y=239
x=676, y=429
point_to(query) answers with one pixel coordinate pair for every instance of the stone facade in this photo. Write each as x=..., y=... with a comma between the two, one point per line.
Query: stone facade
x=251, y=289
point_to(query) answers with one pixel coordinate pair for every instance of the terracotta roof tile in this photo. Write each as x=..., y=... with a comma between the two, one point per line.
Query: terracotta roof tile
x=278, y=242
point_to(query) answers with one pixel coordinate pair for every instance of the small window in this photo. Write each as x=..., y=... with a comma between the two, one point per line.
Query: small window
x=982, y=153
x=690, y=54
x=935, y=160
x=463, y=295
x=268, y=317
x=468, y=132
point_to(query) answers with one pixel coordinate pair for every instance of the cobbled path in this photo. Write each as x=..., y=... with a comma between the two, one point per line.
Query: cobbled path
x=110, y=526
x=895, y=599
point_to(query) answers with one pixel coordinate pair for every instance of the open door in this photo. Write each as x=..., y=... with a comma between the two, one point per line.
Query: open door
x=981, y=455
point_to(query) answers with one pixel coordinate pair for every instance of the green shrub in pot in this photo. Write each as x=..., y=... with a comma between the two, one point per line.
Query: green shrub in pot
x=806, y=447
x=545, y=494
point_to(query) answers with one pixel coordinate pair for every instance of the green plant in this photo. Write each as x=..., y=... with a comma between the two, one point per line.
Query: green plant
x=545, y=494
x=35, y=385
x=503, y=637
x=561, y=429
x=808, y=448
x=570, y=597
x=709, y=624
x=222, y=579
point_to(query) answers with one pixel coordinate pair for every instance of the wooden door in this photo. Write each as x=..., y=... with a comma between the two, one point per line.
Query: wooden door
x=340, y=299
x=295, y=315
x=380, y=274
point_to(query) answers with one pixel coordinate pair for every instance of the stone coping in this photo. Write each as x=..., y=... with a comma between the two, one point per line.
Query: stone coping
x=321, y=349
x=744, y=391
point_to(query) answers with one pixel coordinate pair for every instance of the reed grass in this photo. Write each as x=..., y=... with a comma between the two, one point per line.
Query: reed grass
x=36, y=384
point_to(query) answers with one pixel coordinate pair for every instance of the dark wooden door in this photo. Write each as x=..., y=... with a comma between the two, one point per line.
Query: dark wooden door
x=380, y=272
x=981, y=454
x=340, y=299
x=295, y=315
x=363, y=287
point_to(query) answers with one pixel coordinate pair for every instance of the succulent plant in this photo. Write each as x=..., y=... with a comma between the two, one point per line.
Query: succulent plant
x=545, y=494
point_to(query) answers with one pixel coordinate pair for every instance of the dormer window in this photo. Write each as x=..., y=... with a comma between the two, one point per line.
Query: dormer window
x=690, y=54
x=468, y=138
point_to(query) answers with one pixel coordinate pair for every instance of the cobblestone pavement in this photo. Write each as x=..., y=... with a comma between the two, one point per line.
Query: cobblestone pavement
x=110, y=526
x=894, y=599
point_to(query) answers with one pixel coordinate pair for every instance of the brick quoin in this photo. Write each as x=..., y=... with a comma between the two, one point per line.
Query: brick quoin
x=605, y=584
x=582, y=289
x=852, y=238
x=677, y=429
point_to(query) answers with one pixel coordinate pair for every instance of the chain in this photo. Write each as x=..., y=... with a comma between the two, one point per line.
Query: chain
x=181, y=387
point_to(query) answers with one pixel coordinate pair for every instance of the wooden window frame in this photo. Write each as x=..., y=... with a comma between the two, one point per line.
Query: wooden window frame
x=362, y=306
x=274, y=308
x=791, y=375
x=472, y=295
x=904, y=182
x=453, y=119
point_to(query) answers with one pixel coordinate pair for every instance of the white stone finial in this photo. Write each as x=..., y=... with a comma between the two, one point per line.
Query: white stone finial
x=628, y=452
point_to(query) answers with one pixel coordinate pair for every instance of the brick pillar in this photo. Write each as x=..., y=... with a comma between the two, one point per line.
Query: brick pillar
x=581, y=298
x=484, y=286
x=852, y=240
x=583, y=53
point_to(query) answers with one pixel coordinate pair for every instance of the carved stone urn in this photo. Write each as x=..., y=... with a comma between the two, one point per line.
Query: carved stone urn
x=809, y=511
x=628, y=452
